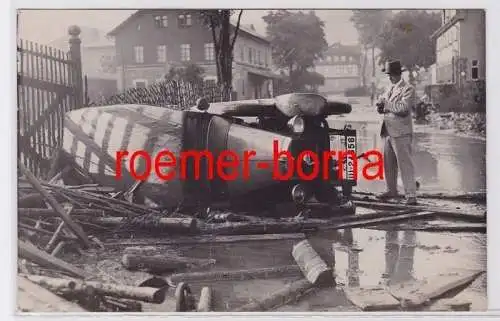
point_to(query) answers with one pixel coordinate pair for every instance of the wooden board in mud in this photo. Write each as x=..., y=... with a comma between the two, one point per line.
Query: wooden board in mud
x=372, y=299
x=416, y=294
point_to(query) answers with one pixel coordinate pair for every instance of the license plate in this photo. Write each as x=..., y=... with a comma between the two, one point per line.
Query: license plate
x=350, y=144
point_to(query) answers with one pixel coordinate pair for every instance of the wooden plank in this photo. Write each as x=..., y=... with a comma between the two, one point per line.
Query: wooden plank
x=416, y=294
x=30, y=252
x=236, y=275
x=372, y=299
x=438, y=210
x=221, y=239
x=75, y=228
x=375, y=221
x=34, y=298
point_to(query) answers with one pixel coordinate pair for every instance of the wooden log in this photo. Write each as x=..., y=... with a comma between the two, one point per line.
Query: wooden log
x=236, y=275
x=75, y=228
x=164, y=223
x=372, y=299
x=55, y=237
x=206, y=239
x=288, y=294
x=280, y=226
x=52, y=284
x=34, y=298
x=312, y=266
x=205, y=302
x=32, y=253
x=40, y=230
x=160, y=263
x=420, y=293
x=47, y=212
x=146, y=294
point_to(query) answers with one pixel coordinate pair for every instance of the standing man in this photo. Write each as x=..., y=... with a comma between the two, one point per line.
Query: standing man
x=396, y=105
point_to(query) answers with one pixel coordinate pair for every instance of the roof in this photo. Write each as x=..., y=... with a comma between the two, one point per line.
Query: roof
x=338, y=48
x=247, y=29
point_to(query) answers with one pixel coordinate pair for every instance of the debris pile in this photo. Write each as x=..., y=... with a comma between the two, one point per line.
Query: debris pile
x=57, y=223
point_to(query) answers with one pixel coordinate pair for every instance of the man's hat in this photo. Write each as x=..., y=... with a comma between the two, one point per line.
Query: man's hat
x=393, y=67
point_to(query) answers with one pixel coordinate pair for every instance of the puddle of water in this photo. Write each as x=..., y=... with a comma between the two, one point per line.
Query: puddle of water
x=443, y=162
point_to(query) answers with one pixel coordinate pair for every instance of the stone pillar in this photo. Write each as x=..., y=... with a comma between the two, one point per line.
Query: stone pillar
x=76, y=70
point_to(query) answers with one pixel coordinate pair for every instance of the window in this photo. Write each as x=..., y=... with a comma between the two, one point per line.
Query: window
x=161, y=21
x=185, y=52
x=242, y=53
x=209, y=52
x=329, y=59
x=475, y=70
x=266, y=58
x=161, y=53
x=342, y=58
x=259, y=58
x=250, y=57
x=139, y=54
x=210, y=80
x=184, y=20
x=140, y=83
x=350, y=59
x=335, y=58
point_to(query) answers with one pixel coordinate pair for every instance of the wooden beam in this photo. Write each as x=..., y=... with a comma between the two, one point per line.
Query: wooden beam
x=31, y=253
x=75, y=228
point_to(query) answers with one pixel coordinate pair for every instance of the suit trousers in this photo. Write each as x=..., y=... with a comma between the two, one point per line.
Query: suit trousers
x=398, y=155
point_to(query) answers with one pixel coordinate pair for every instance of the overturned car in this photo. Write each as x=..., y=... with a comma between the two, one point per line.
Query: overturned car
x=243, y=155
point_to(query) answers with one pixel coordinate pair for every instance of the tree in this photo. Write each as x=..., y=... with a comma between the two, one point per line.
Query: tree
x=370, y=24
x=220, y=25
x=191, y=73
x=407, y=37
x=298, y=40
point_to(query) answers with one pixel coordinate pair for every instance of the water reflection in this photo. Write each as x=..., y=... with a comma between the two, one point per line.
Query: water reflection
x=399, y=256
x=364, y=265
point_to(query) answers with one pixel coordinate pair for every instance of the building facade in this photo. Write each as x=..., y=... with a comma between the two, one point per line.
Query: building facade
x=460, y=46
x=150, y=42
x=341, y=67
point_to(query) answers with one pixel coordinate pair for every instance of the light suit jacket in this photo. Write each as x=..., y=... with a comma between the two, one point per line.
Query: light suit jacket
x=399, y=101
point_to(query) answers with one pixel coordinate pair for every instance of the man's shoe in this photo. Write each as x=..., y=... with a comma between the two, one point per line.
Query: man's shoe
x=387, y=195
x=411, y=201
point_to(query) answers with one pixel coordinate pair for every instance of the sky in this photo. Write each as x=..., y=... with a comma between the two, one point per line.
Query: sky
x=44, y=26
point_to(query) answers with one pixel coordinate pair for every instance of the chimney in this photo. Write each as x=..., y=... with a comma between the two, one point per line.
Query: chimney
x=252, y=27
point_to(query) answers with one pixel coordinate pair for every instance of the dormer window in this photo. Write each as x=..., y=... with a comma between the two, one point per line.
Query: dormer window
x=184, y=20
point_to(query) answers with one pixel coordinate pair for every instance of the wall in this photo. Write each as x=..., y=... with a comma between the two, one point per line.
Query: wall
x=465, y=39
x=92, y=62
x=473, y=40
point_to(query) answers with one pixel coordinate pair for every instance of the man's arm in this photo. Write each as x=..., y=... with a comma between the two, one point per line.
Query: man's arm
x=403, y=106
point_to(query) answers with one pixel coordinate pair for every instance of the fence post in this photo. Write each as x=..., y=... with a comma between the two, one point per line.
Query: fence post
x=76, y=57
